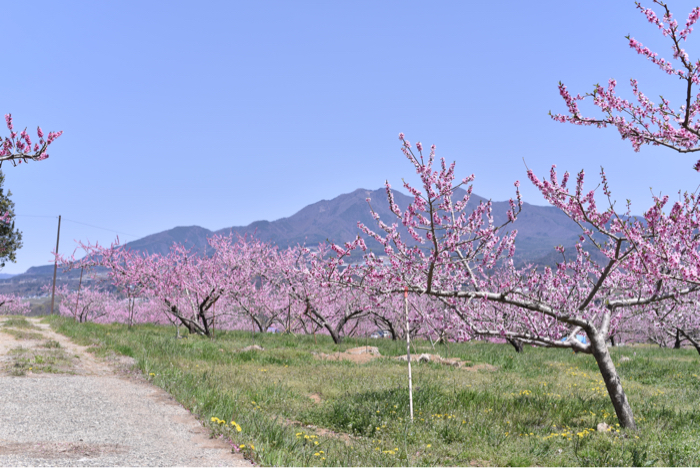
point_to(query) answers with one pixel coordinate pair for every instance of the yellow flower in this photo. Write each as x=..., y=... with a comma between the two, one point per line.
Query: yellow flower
x=429, y=445
x=252, y=446
x=317, y=454
x=321, y=451
x=242, y=446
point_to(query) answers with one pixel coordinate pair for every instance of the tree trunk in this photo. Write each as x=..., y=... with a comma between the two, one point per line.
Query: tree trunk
x=692, y=340
x=334, y=334
x=612, y=381
x=517, y=344
x=677, y=344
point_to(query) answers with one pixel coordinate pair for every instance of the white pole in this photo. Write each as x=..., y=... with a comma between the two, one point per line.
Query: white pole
x=408, y=352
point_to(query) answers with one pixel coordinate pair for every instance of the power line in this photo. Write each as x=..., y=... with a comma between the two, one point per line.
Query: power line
x=84, y=224
x=104, y=229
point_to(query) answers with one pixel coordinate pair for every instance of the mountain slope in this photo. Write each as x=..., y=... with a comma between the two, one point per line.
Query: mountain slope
x=540, y=229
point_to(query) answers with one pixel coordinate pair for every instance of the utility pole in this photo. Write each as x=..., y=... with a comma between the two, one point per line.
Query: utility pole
x=55, y=264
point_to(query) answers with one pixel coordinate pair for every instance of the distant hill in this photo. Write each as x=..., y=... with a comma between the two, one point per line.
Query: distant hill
x=540, y=229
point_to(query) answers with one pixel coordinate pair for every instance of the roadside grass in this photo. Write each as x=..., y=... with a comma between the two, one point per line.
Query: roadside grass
x=540, y=407
x=23, y=334
x=19, y=322
x=52, y=360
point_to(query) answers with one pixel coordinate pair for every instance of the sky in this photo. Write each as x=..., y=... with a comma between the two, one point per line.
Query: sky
x=221, y=113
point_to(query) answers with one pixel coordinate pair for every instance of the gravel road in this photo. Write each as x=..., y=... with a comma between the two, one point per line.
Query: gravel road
x=90, y=414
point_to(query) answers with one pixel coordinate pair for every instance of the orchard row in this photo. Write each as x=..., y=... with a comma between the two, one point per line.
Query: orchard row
x=452, y=264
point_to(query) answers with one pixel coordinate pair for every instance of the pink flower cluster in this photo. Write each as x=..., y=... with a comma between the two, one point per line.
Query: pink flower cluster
x=18, y=148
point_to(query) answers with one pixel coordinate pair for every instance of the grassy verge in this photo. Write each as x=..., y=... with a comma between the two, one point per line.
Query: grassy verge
x=19, y=322
x=537, y=408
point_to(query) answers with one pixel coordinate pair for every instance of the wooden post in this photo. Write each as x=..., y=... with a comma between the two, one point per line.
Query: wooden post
x=77, y=301
x=408, y=352
x=55, y=265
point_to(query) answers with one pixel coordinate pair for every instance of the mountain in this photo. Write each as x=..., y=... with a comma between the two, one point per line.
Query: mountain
x=540, y=229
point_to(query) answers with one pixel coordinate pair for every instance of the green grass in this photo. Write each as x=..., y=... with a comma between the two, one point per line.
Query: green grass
x=19, y=322
x=23, y=334
x=540, y=407
x=51, y=360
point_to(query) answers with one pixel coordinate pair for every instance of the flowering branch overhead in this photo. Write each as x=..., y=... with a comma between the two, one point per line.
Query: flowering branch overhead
x=645, y=122
x=18, y=147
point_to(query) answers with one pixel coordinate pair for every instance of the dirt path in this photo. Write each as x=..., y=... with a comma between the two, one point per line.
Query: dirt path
x=60, y=406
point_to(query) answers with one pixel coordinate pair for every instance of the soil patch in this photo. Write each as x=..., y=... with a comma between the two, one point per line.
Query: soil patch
x=365, y=354
x=360, y=355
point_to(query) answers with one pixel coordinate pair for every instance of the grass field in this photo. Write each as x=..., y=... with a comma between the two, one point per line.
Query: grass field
x=540, y=407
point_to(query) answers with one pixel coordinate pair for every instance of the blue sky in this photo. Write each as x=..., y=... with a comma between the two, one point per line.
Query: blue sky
x=222, y=113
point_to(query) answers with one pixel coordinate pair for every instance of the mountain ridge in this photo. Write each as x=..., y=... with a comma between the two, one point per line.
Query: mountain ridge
x=540, y=229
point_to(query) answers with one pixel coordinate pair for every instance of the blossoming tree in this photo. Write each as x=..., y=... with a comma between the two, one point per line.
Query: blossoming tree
x=459, y=257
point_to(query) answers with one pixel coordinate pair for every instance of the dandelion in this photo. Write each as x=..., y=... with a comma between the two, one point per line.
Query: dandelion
x=241, y=446
x=429, y=445
x=317, y=454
